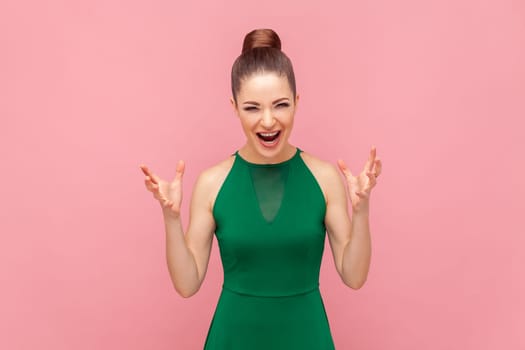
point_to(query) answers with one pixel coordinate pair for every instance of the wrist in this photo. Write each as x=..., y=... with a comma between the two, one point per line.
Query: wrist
x=170, y=214
x=362, y=210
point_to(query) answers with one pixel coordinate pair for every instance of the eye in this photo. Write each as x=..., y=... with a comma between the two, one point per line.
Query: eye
x=249, y=108
x=283, y=104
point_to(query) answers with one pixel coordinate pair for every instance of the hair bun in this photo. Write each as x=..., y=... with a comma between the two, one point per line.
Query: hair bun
x=261, y=38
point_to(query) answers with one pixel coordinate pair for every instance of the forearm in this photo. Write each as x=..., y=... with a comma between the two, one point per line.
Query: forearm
x=181, y=263
x=357, y=252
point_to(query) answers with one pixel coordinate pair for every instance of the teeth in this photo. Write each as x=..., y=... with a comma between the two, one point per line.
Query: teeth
x=268, y=134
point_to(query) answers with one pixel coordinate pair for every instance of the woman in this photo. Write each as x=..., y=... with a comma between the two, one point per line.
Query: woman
x=269, y=205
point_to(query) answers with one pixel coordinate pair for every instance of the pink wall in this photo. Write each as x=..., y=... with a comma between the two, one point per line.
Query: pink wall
x=92, y=89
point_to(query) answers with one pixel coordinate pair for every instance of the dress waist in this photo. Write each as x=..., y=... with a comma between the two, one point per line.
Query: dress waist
x=313, y=289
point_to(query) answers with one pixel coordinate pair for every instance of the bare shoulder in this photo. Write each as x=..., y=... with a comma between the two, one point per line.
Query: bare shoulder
x=326, y=173
x=212, y=178
x=218, y=171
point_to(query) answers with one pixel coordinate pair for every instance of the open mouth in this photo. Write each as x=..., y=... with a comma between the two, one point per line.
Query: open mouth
x=269, y=136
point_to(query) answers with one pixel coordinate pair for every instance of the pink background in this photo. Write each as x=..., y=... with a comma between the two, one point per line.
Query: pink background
x=91, y=89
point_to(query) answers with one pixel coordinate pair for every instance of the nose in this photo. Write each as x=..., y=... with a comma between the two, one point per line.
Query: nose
x=268, y=121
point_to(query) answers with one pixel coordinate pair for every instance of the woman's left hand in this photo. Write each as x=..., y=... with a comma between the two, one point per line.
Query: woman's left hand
x=360, y=186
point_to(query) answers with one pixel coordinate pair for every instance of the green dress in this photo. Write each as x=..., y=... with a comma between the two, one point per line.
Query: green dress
x=271, y=234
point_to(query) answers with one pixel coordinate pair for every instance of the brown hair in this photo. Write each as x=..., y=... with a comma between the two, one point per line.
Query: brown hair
x=261, y=52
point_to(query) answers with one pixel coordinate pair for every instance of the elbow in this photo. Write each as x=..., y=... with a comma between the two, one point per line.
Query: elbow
x=184, y=287
x=186, y=293
x=355, y=285
x=355, y=280
x=358, y=285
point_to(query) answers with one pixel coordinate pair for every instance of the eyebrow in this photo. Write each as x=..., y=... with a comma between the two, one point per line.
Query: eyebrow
x=256, y=103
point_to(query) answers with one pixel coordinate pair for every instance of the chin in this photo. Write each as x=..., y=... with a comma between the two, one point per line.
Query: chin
x=270, y=148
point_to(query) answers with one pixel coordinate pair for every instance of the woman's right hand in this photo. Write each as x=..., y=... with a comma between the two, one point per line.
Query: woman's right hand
x=169, y=194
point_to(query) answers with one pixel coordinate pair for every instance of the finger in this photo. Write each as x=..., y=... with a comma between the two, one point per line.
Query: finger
x=371, y=176
x=150, y=184
x=154, y=178
x=370, y=184
x=378, y=167
x=179, y=170
x=148, y=181
x=344, y=169
x=371, y=159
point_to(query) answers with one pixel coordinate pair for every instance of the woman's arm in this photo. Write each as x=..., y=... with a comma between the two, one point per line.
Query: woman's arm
x=349, y=239
x=188, y=254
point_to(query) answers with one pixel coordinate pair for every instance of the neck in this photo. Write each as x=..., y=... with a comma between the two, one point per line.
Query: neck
x=252, y=155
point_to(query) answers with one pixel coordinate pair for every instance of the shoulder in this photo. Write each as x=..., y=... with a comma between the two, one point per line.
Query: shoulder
x=326, y=173
x=210, y=179
x=217, y=171
x=321, y=167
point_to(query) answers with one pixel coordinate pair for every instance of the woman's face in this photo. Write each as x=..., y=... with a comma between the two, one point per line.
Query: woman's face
x=266, y=109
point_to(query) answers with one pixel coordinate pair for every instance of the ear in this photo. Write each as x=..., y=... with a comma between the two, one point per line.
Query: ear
x=232, y=102
x=296, y=99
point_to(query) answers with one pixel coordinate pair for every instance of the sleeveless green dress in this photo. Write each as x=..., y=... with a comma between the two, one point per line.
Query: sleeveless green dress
x=271, y=234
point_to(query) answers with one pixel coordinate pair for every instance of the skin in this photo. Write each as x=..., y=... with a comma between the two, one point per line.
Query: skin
x=266, y=103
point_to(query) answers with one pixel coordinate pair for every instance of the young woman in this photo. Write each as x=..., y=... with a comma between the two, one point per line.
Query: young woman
x=269, y=205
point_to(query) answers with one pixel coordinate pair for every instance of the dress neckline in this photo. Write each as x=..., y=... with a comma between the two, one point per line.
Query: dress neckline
x=264, y=165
